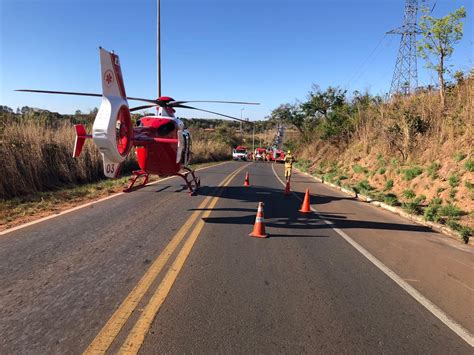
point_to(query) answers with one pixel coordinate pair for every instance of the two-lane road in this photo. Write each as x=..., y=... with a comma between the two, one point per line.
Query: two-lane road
x=158, y=271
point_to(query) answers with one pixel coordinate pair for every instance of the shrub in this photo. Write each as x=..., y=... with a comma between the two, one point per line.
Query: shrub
x=452, y=193
x=453, y=180
x=303, y=165
x=338, y=180
x=381, y=161
x=388, y=185
x=432, y=170
x=458, y=156
x=469, y=165
x=414, y=206
x=450, y=211
x=382, y=171
x=431, y=213
x=469, y=185
x=330, y=176
x=409, y=194
x=391, y=199
x=364, y=187
x=410, y=174
x=358, y=169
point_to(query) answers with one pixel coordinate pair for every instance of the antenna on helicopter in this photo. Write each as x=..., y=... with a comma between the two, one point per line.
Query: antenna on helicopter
x=158, y=48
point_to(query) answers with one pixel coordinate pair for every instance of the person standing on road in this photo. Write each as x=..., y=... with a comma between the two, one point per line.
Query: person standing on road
x=288, y=165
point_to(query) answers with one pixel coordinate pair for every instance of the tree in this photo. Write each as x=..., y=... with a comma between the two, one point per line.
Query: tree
x=328, y=110
x=439, y=35
x=290, y=114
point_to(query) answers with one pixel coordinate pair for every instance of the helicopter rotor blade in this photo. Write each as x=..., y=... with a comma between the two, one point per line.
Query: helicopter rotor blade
x=84, y=94
x=215, y=113
x=175, y=103
x=138, y=108
x=61, y=92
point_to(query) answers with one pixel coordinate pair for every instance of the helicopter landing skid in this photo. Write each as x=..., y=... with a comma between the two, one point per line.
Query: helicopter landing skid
x=137, y=174
x=194, y=183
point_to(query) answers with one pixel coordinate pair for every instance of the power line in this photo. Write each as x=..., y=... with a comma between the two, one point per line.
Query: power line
x=361, y=67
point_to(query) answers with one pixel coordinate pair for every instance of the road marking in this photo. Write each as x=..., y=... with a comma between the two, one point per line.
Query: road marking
x=430, y=306
x=112, y=328
x=137, y=335
x=21, y=226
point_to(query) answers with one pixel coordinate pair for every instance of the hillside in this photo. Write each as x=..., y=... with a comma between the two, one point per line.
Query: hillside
x=407, y=151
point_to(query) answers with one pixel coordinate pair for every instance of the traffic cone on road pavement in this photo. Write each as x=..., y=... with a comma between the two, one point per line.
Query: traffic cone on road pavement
x=287, y=188
x=305, y=207
x=247, y=180
x=259, y=226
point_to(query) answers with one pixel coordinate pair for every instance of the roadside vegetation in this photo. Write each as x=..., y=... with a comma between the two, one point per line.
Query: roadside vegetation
x=413, y=151
x=39, y=175
x=407, y=151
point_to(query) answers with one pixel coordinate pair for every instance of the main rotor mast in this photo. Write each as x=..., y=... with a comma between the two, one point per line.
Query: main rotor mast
x=158, y=48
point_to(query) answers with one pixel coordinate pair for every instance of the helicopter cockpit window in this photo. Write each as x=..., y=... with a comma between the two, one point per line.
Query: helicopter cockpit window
x=166, y=129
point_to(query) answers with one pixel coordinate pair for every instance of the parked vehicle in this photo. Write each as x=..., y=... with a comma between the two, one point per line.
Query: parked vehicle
x=279, y=156
x=260, y=153
x=240, y=153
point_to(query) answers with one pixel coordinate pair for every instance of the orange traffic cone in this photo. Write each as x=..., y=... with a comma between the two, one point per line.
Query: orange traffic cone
x=259, y=226
x=287, y=188
x=247, y=180
x=305, y=207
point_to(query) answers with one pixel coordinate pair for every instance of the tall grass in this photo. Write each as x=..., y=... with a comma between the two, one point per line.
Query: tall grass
x=409, y=128
x=36, y=156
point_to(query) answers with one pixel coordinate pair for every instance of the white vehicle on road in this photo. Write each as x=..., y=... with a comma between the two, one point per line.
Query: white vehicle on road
x=239, y=153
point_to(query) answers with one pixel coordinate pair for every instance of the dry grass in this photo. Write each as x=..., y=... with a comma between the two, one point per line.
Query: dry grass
x=392, y=139
x=36, y=157
x=205, y=150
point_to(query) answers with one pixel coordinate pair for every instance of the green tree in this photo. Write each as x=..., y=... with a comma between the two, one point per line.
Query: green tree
x=439, y=35
x=290, y=114
x=329, y=111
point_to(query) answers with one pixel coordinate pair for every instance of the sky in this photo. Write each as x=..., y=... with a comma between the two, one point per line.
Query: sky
x=268, y=51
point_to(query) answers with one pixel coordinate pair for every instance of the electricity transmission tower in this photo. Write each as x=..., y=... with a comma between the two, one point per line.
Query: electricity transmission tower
x=405, y=76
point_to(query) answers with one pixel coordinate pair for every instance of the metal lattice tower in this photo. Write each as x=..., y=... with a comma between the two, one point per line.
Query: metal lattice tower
x=405, y=76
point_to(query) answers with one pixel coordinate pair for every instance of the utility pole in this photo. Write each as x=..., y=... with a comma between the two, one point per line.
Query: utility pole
x=253, y=137
x=158, y=48
x=405, y=75
x=241, y=132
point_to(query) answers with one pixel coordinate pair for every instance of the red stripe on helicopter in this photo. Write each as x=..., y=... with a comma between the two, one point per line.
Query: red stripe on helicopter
x=118, y=74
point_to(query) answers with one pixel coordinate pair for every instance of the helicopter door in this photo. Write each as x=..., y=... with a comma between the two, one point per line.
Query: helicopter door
x=184, y=147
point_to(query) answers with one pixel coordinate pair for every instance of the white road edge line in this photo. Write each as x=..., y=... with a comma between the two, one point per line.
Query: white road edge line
x=430, y=306
x=21, y=226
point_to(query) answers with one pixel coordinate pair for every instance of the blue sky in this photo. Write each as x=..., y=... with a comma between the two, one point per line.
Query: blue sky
x=270, y=51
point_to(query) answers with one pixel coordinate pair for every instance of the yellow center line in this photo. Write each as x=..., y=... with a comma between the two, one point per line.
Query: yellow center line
x=112, y=328
x=137, y=335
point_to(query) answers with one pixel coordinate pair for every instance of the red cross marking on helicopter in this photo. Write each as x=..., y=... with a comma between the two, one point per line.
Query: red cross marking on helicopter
x=108, y=77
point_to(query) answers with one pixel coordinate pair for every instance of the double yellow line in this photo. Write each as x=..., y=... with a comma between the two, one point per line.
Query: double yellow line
x=136, y=336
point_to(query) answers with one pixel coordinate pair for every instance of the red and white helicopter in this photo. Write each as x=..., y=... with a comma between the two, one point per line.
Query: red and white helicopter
x=163, y=144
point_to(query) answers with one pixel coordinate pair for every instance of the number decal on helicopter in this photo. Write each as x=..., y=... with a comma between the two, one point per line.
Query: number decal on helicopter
x=110, y=168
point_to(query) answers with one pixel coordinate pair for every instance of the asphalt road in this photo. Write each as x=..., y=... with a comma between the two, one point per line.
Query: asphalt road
x=157, y=271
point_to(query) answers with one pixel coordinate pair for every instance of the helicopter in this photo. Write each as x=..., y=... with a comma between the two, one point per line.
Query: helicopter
x=163, y=144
